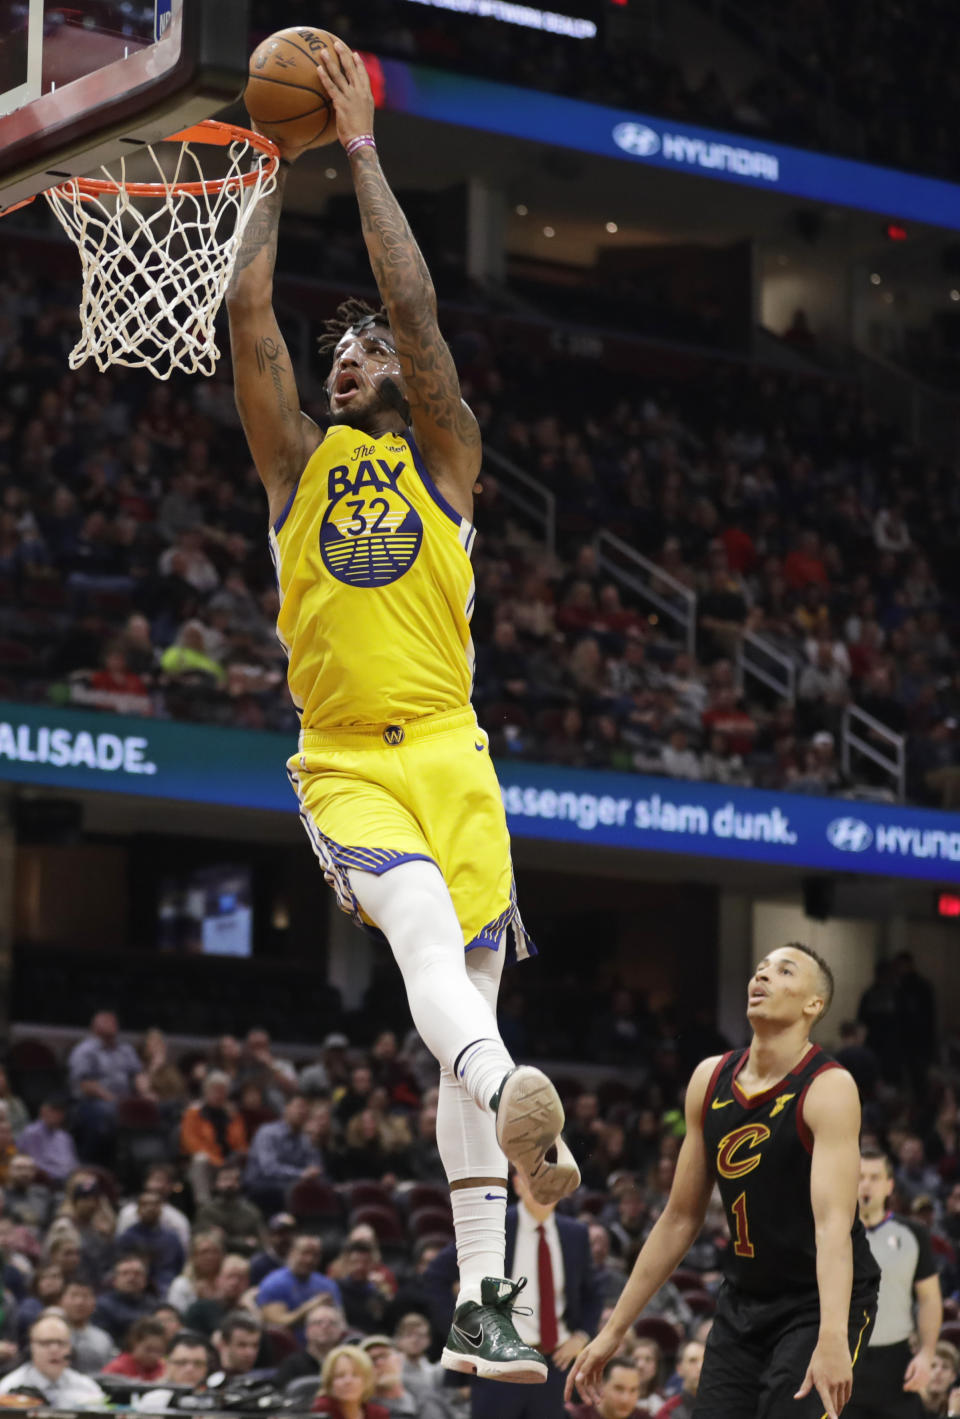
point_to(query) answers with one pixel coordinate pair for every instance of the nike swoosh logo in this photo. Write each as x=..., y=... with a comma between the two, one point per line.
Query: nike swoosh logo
x=475, y=1340
x=495, y=1197
x=479, y=747
x=720, y=1103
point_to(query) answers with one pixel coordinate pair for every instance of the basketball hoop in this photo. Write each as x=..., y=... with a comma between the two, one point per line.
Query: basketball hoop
x=157, y=256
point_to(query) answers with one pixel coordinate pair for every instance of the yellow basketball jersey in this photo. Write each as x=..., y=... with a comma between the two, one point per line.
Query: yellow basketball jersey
x=376, y=586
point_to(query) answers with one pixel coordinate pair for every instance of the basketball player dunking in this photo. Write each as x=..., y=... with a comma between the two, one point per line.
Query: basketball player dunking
x=371, y=537
x=776, y=1127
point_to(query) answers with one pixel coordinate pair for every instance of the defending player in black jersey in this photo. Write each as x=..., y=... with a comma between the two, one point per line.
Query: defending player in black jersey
x=776, y=1126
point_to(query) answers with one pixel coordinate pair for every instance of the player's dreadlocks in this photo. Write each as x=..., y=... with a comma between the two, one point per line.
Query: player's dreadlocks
x=352, y=314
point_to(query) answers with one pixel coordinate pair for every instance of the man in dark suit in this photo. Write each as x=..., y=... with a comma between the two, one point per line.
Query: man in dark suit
x=553, y=1253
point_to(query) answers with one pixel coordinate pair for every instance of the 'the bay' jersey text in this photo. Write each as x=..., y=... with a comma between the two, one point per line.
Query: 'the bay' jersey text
x=376, y=586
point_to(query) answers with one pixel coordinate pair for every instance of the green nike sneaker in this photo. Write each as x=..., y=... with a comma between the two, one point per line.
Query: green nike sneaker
x=483, y=1340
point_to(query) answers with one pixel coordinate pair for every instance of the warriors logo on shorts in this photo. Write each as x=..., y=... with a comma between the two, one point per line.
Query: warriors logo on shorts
x=371, y=536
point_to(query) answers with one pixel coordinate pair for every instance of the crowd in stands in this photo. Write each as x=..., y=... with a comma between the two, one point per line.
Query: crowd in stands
x=826, y=77
x=867, y=79
x=135, y=572
x=221, y=1217
x=859, y=54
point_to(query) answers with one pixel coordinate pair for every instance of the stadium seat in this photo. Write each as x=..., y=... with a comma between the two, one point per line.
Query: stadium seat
x=434, y=1239
x=107, y=1180
x=142, y=1138
x=685, y=1280
x=319, y=1210
x=700, y=1302
x=35, y=1072
x=311, y=1200
x=384, y=1221
x=31, y=1055
x=432, y=1220
x=950, y=1330
x=138, y=1114
x=366, y=1194
x=282, y=1343
x=426, y=1195
x=660, y=1330
x=594, y=1203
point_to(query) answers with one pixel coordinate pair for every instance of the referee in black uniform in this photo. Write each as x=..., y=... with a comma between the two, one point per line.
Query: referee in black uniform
x=888, y=1380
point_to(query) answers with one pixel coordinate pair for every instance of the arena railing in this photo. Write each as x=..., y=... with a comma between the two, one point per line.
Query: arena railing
x=758, y=658
x=857, y=723
x=673, y=600
x=522, y=491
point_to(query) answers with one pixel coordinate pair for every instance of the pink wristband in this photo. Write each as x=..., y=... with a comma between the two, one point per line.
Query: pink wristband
x=363, y=140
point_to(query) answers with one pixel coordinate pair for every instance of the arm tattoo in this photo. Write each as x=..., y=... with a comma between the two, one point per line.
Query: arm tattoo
x=270, y=360
x=408, y=293
x=261, y=232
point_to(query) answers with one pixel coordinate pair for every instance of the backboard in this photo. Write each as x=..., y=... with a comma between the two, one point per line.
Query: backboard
x=86, y=81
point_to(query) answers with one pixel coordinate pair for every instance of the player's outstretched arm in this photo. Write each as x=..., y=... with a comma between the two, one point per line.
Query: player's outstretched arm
x=672, y=1236
x=281, y=438
x=832, y=1113
x=444, y=426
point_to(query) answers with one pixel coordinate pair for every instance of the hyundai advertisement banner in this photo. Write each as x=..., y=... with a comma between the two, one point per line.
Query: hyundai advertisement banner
x=711, y=820
x=72, y=749
x=664, y=143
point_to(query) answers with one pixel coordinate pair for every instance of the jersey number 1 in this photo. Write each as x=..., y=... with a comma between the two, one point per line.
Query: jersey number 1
x=742, y=1245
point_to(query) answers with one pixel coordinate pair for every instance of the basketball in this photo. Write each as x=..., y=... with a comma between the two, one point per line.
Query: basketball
x=284, y=96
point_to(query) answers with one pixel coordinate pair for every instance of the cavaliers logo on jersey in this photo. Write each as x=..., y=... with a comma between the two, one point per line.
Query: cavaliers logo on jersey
x=370, y=534
x=735, y=1157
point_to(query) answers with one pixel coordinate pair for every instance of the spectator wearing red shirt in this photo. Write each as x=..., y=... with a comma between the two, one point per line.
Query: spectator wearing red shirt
x=866, y=651
x=114, y=676
x=688, y=1368
x=725, y=715
x=804, y=565
x=579, y=610
x=143, y=1354
x=613, y=615
x=740, y=549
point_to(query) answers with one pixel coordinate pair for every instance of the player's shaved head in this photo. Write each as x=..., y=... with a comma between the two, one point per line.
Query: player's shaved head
x=825, y=982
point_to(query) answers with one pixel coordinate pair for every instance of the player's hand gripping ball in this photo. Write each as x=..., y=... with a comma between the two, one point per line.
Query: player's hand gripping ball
x=284, y=96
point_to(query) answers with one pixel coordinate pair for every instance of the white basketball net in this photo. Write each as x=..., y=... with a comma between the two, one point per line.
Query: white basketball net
x=156, y=267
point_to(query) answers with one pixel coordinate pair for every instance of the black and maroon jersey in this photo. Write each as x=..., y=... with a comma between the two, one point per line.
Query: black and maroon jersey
x=760, y=1149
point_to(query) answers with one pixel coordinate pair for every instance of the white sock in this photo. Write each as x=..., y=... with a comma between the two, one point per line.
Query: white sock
x=479, y=1215
x=481, y=1068
x=467, y=1141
